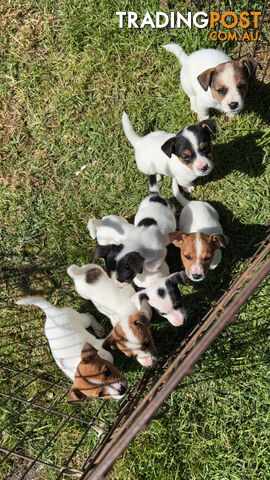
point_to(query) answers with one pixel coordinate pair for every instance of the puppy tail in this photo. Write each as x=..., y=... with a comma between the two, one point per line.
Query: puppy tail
x=153, y=185
x=177, y=51
x=177, y=191
x=129, y=130
x=92, y=225
x=38, y=302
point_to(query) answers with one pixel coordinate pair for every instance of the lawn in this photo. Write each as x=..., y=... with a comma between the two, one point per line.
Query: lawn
x=67, y=73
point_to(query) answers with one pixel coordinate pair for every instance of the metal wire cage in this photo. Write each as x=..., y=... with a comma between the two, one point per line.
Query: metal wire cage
x=33, y=391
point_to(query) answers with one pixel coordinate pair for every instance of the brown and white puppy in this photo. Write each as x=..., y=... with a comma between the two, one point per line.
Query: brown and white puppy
x=133, y=337
x=78, y=353
x=200, y=237
x=131, y=332
x=96, y=378
x=212, y=79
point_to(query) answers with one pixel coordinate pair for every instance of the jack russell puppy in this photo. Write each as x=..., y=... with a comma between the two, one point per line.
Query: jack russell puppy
x=164, y=296
x=145, y=247
x=113, y=228
x=131, y=333
x=211, y=79
x=80, y=355
x=200, y=237
x=184, y=156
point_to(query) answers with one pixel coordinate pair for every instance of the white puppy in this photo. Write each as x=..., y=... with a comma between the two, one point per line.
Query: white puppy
x=184, y=156
x=79, y=354
x=211, y=79
x=110, y=229
x=200, y=236
x=131, y=331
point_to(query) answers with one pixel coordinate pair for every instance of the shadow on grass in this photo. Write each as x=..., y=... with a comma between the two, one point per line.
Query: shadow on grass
x=241, y=154
x=258, y=100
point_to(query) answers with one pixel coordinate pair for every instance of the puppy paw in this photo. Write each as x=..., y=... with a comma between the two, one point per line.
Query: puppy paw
x=189, y=188
x=158, y=177
x=97, y=328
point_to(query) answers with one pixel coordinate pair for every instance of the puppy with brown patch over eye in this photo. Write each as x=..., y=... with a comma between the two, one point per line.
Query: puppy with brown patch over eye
x=79, y=354
x=212, y=79
x=133, y=337
x=96, y=378
x=200, y=237
x=131, y=333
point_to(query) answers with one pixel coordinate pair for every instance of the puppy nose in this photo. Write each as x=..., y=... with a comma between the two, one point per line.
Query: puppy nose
x=204, y=168
x=123, y=389
x=196, y=275
x=233, y=105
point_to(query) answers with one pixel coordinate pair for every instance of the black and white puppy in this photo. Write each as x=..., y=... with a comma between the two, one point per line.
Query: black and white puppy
x=165, y=297
x=184, y=156
x=145, y=247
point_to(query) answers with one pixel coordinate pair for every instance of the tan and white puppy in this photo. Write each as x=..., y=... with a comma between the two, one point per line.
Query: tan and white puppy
x=200, y=236
x=109, y=229
x=131, y=333
x=212, y=79
x=80, y=355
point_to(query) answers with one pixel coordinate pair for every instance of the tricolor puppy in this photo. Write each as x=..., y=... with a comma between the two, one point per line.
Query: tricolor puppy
x=184, y=156
x=80, y=355
x=131, y=333
x=200, y=237
x=165, y=297
x=110, y=229
x=211, y=79
x=145, y=247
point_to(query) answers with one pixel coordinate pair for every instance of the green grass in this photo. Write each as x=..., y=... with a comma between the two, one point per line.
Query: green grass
x=67, y=73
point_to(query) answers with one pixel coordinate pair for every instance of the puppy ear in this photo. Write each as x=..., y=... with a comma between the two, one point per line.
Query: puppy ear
x=88, y=353
x=75, y=396
x=138, y=298
x=209, y=125
x=179, y=277
x=109, y=342
x=141, y=318
x=135, y=262
x=205, y=78
x=101, y=251
x=176, y=237
x=169, y=147
x=250, y=64
x=219, y=240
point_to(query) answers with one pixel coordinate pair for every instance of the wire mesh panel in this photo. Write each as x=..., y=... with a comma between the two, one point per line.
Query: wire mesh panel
x=38, y=400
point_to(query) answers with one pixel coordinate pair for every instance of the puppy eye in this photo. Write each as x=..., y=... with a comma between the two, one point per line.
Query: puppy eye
x=188, y=257
x=206, y=259
x=221, y=91
x=205, y=149
x=241, y=86
x=147, y=342
x=101, y=394
x=107, y=372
